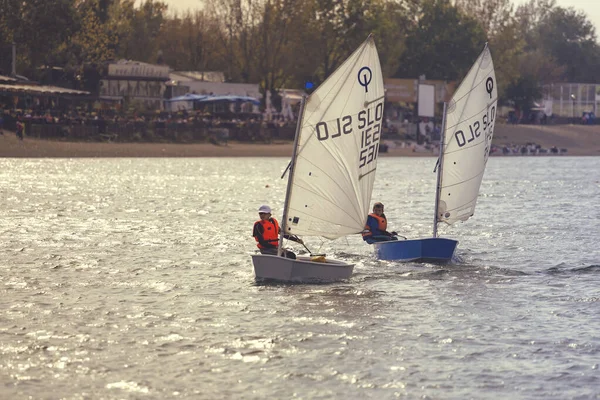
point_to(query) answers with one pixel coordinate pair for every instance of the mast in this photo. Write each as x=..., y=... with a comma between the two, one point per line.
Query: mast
x=292, y=169
x=438, y=188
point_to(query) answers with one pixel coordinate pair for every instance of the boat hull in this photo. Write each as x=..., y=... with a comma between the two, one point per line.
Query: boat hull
x=302, y=269
x=422, y=250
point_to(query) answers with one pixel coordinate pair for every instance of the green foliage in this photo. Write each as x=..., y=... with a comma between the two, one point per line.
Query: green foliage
x=191, y=42
x=9, y=12
x=559, y=45
x=523, y=92
x=494, y=16
x=275, y=35
x=388, y=21
x=281, y=43
x=39, y=27
x=93, y=43
x=570, y=39
x=505, y=39
x=137, y=29
x=441, y=43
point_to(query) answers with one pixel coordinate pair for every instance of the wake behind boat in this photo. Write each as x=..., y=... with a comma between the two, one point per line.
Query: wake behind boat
x=467, y=131
x=332, y=171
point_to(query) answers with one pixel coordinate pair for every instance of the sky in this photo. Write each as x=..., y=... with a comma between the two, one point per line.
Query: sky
x=593, y=12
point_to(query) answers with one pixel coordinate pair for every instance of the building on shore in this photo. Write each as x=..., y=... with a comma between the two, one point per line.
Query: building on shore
x=134, y=83
x=28, y=95
x=7, y=79
x=194, y=86
x=570, y=100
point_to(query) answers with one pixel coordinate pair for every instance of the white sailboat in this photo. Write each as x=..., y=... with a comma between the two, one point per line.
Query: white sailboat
x=467, y=130
x=333, y=165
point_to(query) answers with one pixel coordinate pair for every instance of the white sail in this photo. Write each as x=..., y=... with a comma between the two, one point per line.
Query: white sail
x=470, y=119
x=338, y=144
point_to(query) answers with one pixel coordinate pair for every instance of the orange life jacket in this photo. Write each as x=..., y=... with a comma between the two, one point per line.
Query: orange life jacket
x=381, y=225
x=270, y=232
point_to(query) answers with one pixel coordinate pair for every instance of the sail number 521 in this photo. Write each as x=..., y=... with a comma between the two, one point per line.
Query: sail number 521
x=475, y=129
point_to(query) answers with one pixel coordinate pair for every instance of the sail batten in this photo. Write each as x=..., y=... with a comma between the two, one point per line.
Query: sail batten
x=478, y=176
x=462, y=206
x=468, y=133
x=473, y=145
x=350, y=215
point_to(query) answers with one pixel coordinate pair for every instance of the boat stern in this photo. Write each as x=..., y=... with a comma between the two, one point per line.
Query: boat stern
x=422, y=250
x=302, y=269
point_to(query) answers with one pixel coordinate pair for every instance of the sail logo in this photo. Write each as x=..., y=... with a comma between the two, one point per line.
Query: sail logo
x=489, y=86
x=365, y=76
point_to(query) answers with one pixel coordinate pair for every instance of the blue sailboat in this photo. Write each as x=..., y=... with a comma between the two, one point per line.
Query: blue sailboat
x=467, y=131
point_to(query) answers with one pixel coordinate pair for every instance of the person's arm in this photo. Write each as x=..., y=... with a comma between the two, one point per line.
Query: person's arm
x=370, y=229
x=258, y=234
x=386, y=233
x=293, y=238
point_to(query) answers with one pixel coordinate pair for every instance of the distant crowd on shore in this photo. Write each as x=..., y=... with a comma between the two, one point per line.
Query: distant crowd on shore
x=199, y=126
x=180, y=126
x=537, y=117
x=529, y=149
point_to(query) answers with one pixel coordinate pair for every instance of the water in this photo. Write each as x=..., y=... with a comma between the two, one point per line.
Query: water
x=132, y=279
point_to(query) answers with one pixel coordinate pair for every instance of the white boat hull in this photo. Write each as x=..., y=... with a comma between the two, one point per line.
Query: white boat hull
x=302, y=269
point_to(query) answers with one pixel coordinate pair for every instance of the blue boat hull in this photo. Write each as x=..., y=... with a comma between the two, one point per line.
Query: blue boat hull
x=424, y=250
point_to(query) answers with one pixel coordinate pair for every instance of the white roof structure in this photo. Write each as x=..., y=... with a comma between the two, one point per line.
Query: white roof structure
x=41, y=90
x=203, y=76
x=4, y=78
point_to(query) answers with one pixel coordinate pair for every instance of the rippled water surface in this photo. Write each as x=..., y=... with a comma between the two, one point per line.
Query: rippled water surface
x=132, y=279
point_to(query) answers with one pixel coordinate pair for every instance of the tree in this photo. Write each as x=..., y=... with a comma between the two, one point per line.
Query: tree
x=275, y=63
x=535, y=70
x=442, y=42
x=9, y=18
x=89, y=49
x=137, y=29
x=92, y=43
x=388, y=22
x=558, y=45
x=385, y=20
x=39, y=27
x=570, y=38
x=528, y=18
x=493, y=15
x=191, y=42
x=497, y=19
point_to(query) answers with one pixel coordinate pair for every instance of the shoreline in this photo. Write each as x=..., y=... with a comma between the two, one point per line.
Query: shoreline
x=578, y=140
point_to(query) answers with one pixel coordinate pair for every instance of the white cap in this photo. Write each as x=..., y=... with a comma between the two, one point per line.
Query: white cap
x=264, y=209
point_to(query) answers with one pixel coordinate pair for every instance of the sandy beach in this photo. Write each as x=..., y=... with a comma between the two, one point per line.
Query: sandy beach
x=579, y=140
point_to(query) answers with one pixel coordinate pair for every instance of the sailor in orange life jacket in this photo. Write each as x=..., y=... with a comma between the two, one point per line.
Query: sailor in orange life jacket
x=266, y=232
x=375, y=229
